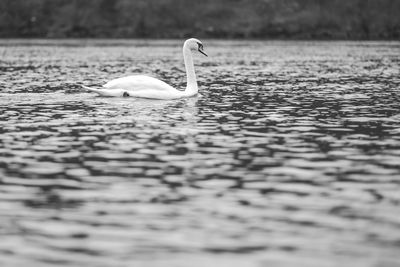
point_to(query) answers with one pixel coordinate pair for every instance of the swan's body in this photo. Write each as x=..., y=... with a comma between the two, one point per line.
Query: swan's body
x=149, y=87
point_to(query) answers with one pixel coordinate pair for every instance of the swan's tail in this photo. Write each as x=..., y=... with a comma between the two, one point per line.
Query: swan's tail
x=105, y=91
x=91, y=89
x=100, y=92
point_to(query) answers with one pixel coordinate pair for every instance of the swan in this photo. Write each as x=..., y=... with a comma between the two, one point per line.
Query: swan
x=148, y=87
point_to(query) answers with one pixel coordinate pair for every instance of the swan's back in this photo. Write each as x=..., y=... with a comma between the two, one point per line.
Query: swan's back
x=139, y=83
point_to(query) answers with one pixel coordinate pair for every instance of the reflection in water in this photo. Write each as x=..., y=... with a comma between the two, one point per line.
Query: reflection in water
x=291, y=154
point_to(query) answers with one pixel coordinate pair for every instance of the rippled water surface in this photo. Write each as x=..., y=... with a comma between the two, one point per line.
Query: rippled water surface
x=289, y=157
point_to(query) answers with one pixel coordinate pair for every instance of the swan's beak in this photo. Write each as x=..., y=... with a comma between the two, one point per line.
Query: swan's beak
x=201, y=51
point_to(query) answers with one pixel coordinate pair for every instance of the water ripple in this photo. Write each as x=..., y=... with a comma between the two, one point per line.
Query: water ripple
x=289, y=156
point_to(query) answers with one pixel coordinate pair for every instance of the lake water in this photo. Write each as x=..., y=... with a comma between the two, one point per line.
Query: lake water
x=289, y=157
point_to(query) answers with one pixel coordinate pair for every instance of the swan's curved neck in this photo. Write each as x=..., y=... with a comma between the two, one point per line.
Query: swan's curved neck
x=191, y=86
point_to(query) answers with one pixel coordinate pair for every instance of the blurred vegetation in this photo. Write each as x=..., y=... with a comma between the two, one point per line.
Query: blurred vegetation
x=300, y=19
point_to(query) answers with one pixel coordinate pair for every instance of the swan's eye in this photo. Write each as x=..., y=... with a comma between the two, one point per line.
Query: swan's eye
x=125, y=94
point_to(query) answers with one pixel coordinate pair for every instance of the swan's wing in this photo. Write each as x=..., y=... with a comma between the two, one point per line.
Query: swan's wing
x=138, y=83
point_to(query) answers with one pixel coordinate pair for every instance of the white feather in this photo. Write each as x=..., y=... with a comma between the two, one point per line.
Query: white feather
x=149, y=87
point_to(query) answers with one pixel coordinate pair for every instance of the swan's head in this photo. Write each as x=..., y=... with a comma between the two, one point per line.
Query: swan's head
x=195, y=45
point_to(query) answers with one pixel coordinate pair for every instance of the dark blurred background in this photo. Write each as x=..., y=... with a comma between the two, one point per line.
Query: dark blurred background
x=283, y=19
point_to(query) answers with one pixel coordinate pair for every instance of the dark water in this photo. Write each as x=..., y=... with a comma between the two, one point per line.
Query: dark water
x=290, y=156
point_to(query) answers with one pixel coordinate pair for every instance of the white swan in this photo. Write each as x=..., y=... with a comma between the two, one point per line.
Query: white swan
x=149, y=87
